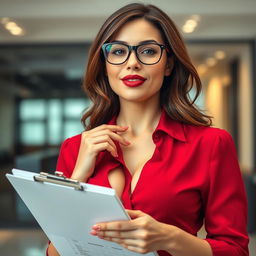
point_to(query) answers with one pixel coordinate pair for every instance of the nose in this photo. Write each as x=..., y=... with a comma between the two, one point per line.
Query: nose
x=133, y=62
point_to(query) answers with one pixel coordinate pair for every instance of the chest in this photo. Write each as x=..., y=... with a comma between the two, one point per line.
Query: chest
x=137, y=154
x=164, y=176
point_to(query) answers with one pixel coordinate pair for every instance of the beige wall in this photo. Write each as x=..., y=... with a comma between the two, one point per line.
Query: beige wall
x=245, y=110
x=217, y=106
x=214, y=101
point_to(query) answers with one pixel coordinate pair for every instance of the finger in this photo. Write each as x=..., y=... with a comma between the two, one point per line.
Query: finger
x=135, y=213
x=111, y=134
x=130, y=244
x=126, y=242
x=117, y=234
x=105, y=146
x=115, y=240
x=125, y=225
x=102, y=139
x=114, y=128
x=137, y=249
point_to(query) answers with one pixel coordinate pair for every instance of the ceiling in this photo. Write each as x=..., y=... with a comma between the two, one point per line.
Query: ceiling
x=35, y=63
x=79, y=20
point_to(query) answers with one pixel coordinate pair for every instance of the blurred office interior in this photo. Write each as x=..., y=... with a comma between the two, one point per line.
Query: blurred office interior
x=43, y=52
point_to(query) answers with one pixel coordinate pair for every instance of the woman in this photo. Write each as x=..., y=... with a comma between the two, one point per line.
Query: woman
x=146, y=139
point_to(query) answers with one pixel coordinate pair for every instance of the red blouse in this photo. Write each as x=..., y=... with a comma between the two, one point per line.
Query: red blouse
x=193, y=175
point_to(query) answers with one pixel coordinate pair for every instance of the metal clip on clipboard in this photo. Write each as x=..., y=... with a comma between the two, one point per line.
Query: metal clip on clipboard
x=59, y=179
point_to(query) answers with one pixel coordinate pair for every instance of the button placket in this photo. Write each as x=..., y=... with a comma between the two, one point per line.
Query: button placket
x=126, y=197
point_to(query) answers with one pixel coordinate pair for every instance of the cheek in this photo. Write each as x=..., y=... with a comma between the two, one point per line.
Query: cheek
x=157, y=73
x=112, y=74
x=112, y=71
x=108, y=70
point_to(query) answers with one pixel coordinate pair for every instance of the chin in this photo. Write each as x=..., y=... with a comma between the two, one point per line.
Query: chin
x=137, y=99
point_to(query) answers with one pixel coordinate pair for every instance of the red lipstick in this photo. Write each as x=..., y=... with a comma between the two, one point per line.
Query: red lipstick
x=133, y=80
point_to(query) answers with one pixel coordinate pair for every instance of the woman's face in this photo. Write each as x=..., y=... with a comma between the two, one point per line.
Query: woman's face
x=148, y=85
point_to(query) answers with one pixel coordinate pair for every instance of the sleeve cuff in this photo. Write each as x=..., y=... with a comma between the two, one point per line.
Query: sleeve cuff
x=222, y=248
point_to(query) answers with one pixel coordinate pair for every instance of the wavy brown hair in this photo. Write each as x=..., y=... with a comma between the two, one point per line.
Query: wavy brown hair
x=174, y=94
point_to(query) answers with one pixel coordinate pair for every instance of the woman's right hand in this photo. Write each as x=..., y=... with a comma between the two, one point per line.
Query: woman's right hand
x=94, y=141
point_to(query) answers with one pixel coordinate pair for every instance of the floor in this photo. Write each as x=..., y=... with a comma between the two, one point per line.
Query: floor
x=31, y=242
x=22, y=242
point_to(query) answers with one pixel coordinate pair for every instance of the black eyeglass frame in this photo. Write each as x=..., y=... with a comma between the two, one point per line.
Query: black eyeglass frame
x=133, y=48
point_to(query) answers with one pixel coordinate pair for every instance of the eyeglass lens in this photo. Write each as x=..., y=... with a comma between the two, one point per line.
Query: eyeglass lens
x=146, y=53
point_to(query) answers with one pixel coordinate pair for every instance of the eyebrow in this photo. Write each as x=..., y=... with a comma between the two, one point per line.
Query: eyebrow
x=141, y=42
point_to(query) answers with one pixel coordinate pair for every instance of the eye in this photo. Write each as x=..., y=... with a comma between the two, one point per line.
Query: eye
x=148, y=51
x=118, y=52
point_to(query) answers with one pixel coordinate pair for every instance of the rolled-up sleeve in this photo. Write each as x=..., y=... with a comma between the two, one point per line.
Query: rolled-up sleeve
x=68, y=155
x=225, y=201
x=63, y=160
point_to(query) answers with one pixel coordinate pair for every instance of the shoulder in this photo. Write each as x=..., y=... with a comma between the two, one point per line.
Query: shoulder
x=211, y=143
x=206, y=135
x=68, y=155
x=73, y=140
x=72, y=143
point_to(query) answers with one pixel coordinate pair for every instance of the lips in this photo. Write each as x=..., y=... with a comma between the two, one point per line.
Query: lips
x=133, y=80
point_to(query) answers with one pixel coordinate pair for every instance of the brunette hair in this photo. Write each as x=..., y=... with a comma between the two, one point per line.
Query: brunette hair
x=176, y=87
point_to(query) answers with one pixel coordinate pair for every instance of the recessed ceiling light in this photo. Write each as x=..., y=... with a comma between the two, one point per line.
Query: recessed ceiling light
x=191, y=23
x=17, y=31
x=10, y=25
x=220, y=55
x=5, y=20
x=188, y=29
x=201, y=69
x=211, y=62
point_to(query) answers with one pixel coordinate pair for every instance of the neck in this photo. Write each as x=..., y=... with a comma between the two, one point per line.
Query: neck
x=140, y=117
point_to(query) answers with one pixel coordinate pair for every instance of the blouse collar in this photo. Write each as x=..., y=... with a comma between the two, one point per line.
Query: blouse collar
x=166, y=124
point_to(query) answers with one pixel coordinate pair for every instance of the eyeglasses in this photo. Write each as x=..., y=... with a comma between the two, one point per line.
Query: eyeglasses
x=147, y=53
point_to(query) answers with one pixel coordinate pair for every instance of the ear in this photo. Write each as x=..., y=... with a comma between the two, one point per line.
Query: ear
x=169, y=66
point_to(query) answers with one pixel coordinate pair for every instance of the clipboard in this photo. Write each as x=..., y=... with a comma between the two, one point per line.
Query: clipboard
x=66, y=210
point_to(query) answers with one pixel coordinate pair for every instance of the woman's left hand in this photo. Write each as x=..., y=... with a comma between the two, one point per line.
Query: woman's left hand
x=141, y=234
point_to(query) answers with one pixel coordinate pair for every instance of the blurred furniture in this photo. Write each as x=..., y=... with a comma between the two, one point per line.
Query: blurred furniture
x=250, y=185
x=13, y=211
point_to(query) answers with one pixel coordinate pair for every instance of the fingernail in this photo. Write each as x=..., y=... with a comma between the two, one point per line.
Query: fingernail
x=127, y=142
x=96, y=227
x=93, y=233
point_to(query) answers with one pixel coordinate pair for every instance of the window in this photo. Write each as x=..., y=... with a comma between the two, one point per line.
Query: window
x=50, y=121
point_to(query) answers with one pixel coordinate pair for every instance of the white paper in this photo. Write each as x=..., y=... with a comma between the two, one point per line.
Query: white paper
x=66, y=215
